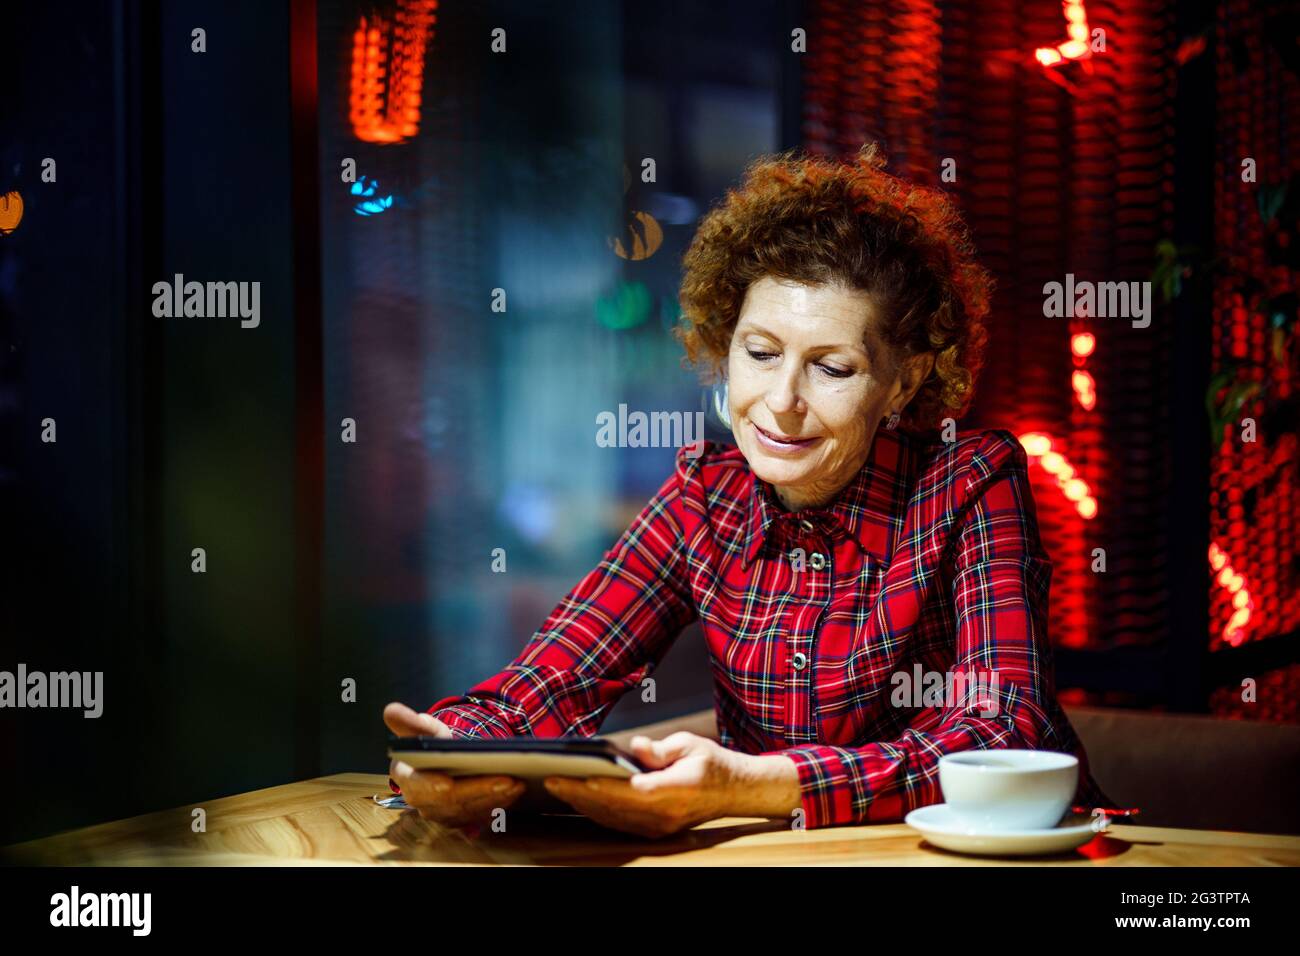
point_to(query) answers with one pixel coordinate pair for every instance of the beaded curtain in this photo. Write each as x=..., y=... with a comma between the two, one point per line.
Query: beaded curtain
x=1255, y=490
x=1058, y=171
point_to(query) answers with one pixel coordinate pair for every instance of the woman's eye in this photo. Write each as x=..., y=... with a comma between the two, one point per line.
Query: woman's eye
x=760, y=356
x=834, y=372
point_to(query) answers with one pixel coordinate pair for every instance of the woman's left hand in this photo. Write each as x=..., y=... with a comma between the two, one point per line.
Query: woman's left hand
x=691, y=779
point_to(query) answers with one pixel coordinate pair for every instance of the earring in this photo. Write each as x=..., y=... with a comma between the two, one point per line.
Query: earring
x=893, y=421
x=721, y=406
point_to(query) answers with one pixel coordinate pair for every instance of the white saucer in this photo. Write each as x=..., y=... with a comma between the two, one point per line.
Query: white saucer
x=941, y=827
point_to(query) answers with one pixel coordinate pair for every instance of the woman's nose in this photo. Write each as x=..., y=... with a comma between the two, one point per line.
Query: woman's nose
x=783, y=395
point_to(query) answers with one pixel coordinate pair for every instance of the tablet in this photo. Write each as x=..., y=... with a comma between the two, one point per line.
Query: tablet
x=530, y=758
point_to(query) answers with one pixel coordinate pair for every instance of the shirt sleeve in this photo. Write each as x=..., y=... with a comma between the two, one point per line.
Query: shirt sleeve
x=1001, y=578
x=601, y=640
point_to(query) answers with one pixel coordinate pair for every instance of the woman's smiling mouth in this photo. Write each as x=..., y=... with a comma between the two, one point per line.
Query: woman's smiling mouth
x=783, y=444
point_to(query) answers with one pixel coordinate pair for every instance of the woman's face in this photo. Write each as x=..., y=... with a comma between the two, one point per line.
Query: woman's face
x=809, y=381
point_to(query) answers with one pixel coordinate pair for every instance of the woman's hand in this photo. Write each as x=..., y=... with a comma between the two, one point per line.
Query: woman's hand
x=691, y=779
x=451, y=801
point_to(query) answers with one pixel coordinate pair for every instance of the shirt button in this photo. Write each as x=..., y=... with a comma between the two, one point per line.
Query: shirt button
x=806, y=525
x=817, y=560
x=799, y=660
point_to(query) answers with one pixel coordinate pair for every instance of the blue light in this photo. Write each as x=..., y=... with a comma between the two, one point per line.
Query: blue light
x=373, y=207
x=370, y=207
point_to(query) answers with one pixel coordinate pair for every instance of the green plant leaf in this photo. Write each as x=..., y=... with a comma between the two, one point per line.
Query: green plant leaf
x=1270, y=200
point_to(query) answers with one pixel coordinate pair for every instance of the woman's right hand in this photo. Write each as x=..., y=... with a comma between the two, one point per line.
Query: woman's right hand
x=451, y=801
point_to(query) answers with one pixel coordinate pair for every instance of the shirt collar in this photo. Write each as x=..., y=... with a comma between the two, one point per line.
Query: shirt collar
x=869, y=510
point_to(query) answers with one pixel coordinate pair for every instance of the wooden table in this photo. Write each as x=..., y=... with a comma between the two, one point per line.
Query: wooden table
x=334, y=820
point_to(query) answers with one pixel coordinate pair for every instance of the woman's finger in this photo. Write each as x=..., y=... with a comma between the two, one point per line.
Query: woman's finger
x=643, y=748
x=611, y=794
x=420, y=786
x=642, y=822
x=489, y=798
x=405, y=722
x=478, y=807
x=657, y=754
x=399, y=718
x=480, y=788
x=455, y=800
x=681, y=773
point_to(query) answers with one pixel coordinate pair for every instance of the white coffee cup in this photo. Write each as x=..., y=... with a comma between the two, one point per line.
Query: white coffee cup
x=1009, y=789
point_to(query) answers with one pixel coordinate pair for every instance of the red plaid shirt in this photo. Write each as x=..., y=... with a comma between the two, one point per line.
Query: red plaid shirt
x=816, y=620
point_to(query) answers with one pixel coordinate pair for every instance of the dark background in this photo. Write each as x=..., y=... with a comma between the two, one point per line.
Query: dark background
x=372, y=561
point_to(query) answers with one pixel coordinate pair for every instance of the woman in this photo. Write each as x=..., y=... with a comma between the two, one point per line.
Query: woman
x=842, y=552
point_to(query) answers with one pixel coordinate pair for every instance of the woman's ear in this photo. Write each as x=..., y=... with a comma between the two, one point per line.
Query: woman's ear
x=912, y=375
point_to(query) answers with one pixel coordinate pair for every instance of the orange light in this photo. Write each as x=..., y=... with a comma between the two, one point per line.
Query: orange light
x=388, y=72
x=1074, y=48
x=11, y=212
x=1084, y=388
x=1234, y=633
x=1036, y=443
x=1083, y=343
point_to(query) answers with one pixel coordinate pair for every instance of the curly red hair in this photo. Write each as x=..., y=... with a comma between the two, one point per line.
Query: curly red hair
x=815, y=220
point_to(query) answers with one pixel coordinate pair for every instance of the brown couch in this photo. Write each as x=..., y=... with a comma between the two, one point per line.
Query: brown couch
x=1181, y=770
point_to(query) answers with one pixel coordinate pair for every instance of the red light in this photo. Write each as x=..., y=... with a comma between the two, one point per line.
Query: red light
x=1036, y=443
x=1082, y=344
x=1074, y=48
x=1076, y=490
x=1234, y=632
x=1084, y=389
x=388, y=72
